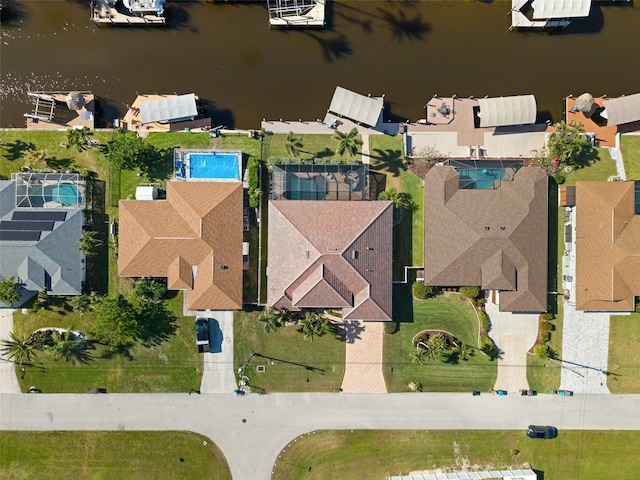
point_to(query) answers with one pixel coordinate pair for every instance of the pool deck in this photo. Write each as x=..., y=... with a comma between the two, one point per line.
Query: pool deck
x=182, y=162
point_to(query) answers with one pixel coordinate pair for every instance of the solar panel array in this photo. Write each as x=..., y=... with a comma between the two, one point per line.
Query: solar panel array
x=27, y=226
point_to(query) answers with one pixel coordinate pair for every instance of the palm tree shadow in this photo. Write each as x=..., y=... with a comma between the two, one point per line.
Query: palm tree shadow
x=334, y=48
x=17, y=149
x=388, y=159
x=402, y=27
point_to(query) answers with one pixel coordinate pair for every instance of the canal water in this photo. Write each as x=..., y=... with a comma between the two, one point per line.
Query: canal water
x=244, y=71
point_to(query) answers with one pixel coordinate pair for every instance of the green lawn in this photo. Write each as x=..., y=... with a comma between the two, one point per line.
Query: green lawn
x=624, y=357
x=294, y=364
x=630, y=147
x=443, y=312
x=601, y=170
x=387, y=158
x=169, y=363
x=110, y=455
x=313, y=146
x=361, y=455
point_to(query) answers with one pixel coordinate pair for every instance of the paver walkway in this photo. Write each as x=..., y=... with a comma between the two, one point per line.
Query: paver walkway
x=366, y=158
x=514, y=334
x=218, y=375
x=8, y=381
x=363, y=363
x=585, y=350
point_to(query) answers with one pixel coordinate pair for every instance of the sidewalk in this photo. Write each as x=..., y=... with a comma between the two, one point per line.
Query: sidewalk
x=218, y=375
x=363, y=362
x=8, y=380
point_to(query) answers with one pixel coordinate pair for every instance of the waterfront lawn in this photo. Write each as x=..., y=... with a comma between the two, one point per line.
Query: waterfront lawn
x=448, y=312
x=82, y=454
x=631, y=155
x=387, y=158
x=601, y=170
x=624, y=356
x=169, y=362
x=313, y=146
x=286, y=355
x=365, y=454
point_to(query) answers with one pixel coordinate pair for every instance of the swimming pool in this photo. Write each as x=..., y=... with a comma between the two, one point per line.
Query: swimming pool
x=480, y=178
x=65, y=194
x=214, y=165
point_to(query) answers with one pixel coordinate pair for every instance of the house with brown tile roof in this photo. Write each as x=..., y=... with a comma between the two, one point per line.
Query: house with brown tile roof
x=193, y=238
x=607, y=241
x=331, y=254
x=486, y=225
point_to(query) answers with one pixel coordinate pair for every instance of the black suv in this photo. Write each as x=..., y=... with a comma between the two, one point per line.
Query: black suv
x=202, y=334
x=542, y=431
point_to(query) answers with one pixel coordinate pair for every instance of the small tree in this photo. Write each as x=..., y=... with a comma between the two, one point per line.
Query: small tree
x=78, y=138
x=544, y=336
x=128, y=151
x=421, y=291
x=470, y=292
x=488, y=347
x=420, y=356
x=293, y=145
x=426, y=156
x=148, y=289
x=116, y=322
x=347, y=142
x=569, y=146
x=9, y=291
x=89, y=242
x=391, y=327
x=542, y=351
x=81, y=304
x=399, y=199
x=436, y=344
x=464, y=351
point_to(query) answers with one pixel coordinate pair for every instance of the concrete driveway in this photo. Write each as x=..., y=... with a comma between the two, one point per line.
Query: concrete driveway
x=218, y=375
x=514, y=334
x=8, y=380
x=363, y=360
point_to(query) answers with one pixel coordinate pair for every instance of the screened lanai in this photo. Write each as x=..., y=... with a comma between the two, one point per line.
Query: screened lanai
x=484, y=174
x=49, y=190
x=320, y=182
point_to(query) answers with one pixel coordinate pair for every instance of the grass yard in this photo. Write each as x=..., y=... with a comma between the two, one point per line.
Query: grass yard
x=630, y=147
x=98, y=455
x=387, y=158
x=601, y=170
x=360, y=455
x=169, y=362
x=443, y=312
x=313, y=146
x=624, y=358
x=292, y=364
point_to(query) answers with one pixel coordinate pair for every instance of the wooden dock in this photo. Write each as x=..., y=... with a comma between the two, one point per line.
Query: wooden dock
x=296, y=13
x=105, y=12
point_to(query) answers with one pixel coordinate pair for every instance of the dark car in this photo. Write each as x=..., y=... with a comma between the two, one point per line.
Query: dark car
x=542, y=431
x=202, y=334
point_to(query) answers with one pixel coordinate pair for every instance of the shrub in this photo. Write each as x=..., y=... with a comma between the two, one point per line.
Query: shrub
x=391, y=327
x=558, y=178
x=146, y=288
x=421, y=291
x=480, y=302
x=542, y=351
x=546, y=327
x=547, y=316
x=485, y=326
x=488, y=347
x=544, y=336
x=470, y=292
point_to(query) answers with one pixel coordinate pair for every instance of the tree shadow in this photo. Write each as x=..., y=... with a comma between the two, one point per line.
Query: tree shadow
x=159, y=164
x=326, y=153
x=60, y=163
x=402, y=304
x=350, y=330
x=337, y=47
x=220, y=117
x=405, y=28
x=16, y=149
x=106, y=112
x=388, y=159
x=451, y=357
x=157, y=323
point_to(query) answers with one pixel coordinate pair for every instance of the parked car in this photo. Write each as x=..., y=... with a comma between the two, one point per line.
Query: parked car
x=202, y=334
x=542, y=431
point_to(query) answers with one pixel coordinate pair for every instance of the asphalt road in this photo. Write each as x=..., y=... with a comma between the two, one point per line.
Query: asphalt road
x=252, y=430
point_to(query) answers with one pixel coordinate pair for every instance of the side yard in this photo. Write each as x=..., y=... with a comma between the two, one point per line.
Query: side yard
x=624, y=357
x=630, y=147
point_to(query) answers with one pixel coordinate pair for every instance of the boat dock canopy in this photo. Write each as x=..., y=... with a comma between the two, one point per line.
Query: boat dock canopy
x=171, y=109
x=543, y=9
x=505, y=111
x=622, y=110
x=356, y=107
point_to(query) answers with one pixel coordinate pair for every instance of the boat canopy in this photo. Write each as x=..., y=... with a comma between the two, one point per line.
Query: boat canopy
x=170, y=109
x=543, y=9
x=622, y=110
x=356, y=107
x=505, y=111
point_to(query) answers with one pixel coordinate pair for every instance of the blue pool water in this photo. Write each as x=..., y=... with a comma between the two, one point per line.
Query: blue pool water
x=214, y=165
x=481, y=179
x=65, y=194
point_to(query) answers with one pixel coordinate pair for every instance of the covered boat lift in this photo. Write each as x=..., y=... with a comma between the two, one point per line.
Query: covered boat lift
x=170, y=109
x=547, y=14
x=296, y=13
x=619, y=111
x=362, y=109
x=507, y=111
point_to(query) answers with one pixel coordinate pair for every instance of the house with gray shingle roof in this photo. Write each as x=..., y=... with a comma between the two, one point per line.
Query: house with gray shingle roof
x=40, y=246
x=486, y=225
x=331, y=254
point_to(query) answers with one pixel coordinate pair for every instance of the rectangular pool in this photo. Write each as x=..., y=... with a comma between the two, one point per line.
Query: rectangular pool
x=214, y=165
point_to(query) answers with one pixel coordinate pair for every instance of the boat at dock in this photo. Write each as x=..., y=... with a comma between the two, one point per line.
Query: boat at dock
x=128, y=12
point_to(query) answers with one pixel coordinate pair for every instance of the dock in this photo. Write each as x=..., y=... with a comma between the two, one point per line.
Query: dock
x=57, y=110
x=520, y=21
x=296, y=13
x=111, y=12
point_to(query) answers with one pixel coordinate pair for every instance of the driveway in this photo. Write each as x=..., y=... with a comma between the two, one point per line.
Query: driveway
x=585, y=350
x=8, y=380
x=252, y=430
x=218, y=375
x=514, y=334
x=363, y=361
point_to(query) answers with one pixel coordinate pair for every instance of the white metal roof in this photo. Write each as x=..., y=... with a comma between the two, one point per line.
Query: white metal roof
x=504, y=111
x=356, y=107
x=622, y=110
x=560, y=8
x=146, y=192
x=178, y=107
x=527, y=474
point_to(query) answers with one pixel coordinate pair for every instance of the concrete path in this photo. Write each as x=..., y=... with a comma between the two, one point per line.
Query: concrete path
x=514, y=334
x=218, y=375
x=252, y=430
x=366, y=154
x=8, y=381
x=363, y=364
x=585, y=351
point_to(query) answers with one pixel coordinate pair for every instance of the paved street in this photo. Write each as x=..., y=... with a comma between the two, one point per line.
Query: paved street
x=257, y=427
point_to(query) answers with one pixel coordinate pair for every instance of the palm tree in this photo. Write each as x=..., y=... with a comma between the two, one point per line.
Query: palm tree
x=88, y=242
x=399, y=199
x=9, y=291
x=70, y=349
x=419, y=357
x=347, y=142
x=311, y=326
x=293, y=145
x=464, y=351
x=81, y=303
x=19, y=348
x=270, y=319
x=437, y=344
x=78, y=137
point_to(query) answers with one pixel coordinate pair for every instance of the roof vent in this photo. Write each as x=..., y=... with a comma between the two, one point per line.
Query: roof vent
x=369, y=248
x=333, y=249
x=501, y=228
x=224, y=267
x=354, y=254
x=486, y=228
x=307, y=254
